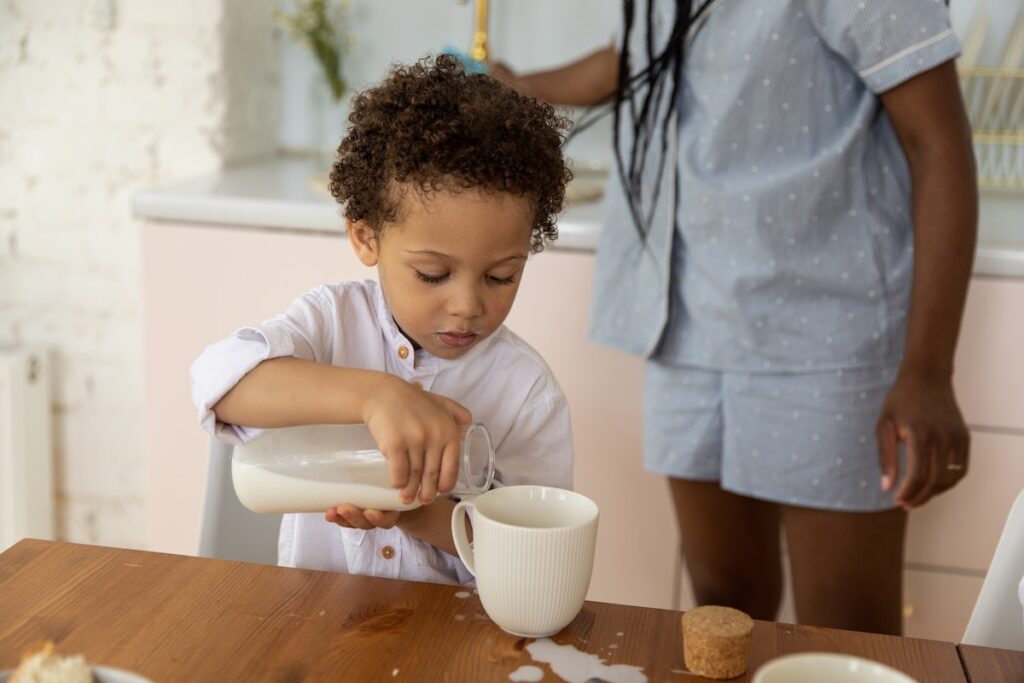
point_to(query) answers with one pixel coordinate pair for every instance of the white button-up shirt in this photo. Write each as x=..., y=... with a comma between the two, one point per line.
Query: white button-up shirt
x=502, y=381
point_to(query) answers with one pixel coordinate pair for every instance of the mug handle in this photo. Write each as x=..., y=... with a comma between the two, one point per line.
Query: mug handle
x=459, y=535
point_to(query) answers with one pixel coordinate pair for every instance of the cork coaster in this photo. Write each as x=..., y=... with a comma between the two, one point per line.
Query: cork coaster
x=716, y=641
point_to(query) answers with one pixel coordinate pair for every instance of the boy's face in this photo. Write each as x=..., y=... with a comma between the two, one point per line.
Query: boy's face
x=451, y=266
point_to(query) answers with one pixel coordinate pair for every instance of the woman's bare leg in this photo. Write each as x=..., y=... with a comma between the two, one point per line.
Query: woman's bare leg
x=730, y=546
x=847, y=567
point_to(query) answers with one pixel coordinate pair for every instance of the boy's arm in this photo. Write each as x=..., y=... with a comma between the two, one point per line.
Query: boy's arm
x=928, y=116
x=431, y=523
x=586, y=82
x=284, y=392
x=417, y=431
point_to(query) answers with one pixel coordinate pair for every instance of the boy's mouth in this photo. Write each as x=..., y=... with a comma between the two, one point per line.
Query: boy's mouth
x=458, y=339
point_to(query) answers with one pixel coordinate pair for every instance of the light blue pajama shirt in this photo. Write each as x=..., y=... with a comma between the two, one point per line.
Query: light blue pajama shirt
x=772, y=301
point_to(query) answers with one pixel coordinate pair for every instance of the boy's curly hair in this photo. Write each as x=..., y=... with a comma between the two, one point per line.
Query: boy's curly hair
x=434, y=127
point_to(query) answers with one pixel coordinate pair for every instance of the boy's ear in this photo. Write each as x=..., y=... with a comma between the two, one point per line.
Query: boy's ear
x=364, y=241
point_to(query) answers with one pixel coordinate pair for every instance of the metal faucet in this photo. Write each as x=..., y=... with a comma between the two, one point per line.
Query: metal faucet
x=479, y=49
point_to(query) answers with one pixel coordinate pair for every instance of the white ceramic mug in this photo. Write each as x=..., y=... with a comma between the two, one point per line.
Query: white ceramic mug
x=532, y=555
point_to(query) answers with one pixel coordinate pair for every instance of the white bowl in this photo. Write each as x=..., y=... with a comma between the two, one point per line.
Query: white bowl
x=821, y=667
x=100, y=674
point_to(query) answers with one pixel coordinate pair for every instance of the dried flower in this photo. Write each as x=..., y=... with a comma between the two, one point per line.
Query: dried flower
x=315, y=23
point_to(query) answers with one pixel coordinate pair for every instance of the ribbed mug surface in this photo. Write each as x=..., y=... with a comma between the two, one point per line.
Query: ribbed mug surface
x=532, y=554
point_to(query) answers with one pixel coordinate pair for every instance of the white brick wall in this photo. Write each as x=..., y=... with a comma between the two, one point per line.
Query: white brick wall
x=98, y=98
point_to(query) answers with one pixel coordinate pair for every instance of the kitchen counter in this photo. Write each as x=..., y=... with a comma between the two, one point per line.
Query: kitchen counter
x=282, y=194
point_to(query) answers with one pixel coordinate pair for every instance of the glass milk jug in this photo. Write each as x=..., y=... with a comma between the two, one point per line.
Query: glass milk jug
x=315, y=467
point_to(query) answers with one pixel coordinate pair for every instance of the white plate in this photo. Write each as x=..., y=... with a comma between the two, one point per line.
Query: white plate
x=818, y=667
x=100, y=674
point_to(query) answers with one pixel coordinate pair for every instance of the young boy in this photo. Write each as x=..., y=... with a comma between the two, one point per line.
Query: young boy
x=448, y=181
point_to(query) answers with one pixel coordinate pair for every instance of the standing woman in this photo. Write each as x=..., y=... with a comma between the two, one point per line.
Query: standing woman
x=789, y=234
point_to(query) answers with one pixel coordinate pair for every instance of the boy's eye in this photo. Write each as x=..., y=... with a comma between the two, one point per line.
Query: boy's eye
x=501, y=280
x=432, y=279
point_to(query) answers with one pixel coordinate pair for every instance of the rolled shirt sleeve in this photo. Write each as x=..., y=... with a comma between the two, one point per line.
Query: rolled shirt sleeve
x=886, y=43
x=305, y=331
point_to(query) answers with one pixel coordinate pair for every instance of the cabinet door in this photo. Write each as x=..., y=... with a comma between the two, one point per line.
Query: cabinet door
x=960, y=528
x=637, y=539
x=989, y=375
x=937, y=605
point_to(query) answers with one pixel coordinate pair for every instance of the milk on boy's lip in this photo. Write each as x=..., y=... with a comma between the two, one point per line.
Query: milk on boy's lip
x=458, y=338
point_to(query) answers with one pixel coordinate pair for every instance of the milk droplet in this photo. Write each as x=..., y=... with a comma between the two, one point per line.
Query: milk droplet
x=527, y=673
x=575, y=666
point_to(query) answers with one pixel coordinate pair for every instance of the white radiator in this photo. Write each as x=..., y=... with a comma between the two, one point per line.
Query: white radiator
x=26, y=453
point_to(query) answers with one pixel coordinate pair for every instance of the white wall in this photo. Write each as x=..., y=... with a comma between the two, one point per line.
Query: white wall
x=99, y=97
x=526, y=34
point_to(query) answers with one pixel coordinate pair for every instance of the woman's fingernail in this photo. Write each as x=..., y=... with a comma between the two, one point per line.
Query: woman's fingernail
x=886, y=482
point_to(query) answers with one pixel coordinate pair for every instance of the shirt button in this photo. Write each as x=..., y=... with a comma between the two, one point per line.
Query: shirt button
x=403, y=352
x=387, y=552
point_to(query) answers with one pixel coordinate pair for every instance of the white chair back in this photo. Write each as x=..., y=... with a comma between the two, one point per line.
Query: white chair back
x=998, y=617
x=229, y=531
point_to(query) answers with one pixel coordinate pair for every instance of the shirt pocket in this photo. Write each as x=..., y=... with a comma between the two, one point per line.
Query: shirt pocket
x=357, y=558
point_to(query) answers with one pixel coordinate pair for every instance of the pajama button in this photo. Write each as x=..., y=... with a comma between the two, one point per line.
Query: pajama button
x=403, y=352
x=387, y=552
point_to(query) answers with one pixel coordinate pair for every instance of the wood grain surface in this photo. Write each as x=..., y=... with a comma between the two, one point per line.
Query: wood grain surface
x=176, y=618
x=987, y=665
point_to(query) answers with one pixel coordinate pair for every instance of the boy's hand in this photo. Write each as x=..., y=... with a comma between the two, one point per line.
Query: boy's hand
x=351, y=517
x=420, y=435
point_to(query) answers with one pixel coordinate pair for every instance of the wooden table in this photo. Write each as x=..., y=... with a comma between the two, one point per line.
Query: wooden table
x=983, y=664
x=175, y=618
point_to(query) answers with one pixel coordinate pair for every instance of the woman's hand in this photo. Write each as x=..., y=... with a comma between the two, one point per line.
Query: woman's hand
x=922, y=412
x=420, y=434
x=500, y=71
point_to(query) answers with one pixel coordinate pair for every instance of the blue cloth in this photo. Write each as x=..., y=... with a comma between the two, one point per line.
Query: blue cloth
x=469, y=65
x=791, y=245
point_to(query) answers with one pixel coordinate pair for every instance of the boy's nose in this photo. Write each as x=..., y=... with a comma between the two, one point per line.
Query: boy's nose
x=467, y=303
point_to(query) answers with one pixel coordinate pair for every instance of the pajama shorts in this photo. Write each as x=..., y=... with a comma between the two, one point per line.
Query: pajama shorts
x=800, y=438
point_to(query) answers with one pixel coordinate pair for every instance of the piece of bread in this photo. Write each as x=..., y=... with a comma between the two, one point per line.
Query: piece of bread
x=716, y=641
x=43, y=665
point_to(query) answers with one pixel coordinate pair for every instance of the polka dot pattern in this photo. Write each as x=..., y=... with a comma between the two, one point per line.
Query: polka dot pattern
x=799, y=438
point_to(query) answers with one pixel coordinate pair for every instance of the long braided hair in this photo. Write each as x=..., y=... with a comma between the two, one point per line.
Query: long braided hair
x=642, y=93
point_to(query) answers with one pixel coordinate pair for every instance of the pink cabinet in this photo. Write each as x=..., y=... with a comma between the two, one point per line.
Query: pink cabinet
x=202, y=282
x=951, y=540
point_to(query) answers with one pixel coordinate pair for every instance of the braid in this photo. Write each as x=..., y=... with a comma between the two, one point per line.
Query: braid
x=642, y=92
x=667, y=65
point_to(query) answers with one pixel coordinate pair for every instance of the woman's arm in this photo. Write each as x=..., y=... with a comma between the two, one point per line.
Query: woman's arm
x=928, y=115
x=588, y=81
